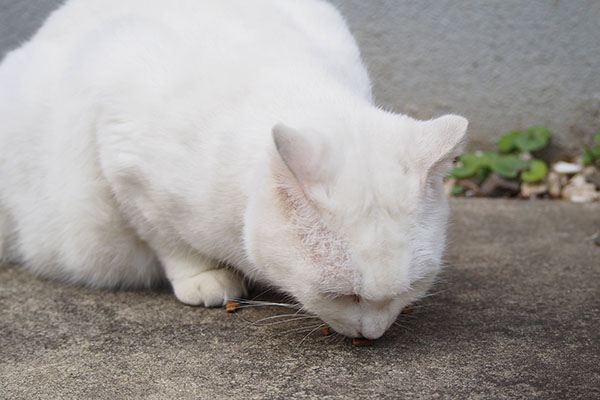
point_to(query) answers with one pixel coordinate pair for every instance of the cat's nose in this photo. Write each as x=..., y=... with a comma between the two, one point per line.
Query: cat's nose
x=371, y=329
x=371, y=334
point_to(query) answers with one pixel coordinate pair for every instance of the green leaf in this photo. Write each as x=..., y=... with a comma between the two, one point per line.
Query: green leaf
x=479, y=159
x=540, y=131
x=535, y=138
x=537, y=170
x=475, y=163
x=471, y=160
x=483, y=173
x=463, y=172
x=456, y=190
x=508, y=166
x=591, y=155
x=507, y=142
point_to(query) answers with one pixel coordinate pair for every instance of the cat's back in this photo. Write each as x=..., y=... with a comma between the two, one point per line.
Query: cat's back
x=230, y=49
x=100, y=70
x=316, y=20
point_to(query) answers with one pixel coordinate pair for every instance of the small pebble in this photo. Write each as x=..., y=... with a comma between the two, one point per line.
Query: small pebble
x=594, y=178
x=555, y=183
x=578, y=180
x=232, y=306
x=362, y=342
x=563, y=167
x=533, y=189
x=579, y=191
x=587, y=171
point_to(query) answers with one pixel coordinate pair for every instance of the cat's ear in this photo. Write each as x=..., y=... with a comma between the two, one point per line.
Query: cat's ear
x=301, y=153
x=441, y=140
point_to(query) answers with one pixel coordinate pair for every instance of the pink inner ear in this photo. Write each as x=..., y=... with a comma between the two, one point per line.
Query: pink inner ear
x=298, y=153
x=326, y=250
x=441, y=140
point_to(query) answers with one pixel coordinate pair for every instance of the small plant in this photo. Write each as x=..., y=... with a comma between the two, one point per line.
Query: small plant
x=514, y=161
x=514, y=170
x=592, y=154
x=533, y=139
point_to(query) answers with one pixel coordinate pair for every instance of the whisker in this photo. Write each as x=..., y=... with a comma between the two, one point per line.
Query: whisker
x=310, y=333
x=428, y=303
x=254, y=305
x=428, y=306
x=340, y=338
x=286, y=321
x=302, y=329
x=403, y=327
x=435, y=293
x=295, y=315
x=407, y=316
x=262, y=293
x=334, y=335
x=283, y=321
x=258, y=303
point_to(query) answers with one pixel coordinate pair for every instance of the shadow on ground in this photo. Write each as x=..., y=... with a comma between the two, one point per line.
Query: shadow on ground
x=515, y=315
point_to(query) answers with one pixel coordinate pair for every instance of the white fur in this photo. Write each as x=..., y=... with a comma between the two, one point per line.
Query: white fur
x=142, y=140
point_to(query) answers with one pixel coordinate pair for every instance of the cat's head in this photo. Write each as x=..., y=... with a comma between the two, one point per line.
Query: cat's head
x=352, y=223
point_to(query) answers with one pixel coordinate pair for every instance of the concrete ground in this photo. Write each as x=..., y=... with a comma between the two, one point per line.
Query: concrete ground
x=516, y=315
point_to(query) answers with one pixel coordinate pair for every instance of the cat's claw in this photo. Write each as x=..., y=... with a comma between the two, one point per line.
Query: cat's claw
x=211, y=288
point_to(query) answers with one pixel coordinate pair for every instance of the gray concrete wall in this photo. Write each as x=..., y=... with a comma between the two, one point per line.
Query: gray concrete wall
x=19, y=19
x=504, y=64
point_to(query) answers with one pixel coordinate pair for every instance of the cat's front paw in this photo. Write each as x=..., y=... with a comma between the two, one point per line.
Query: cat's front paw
x=211, y=288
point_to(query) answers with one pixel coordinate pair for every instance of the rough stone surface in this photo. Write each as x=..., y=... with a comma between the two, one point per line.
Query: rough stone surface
x=504, y=64
x=515, y=315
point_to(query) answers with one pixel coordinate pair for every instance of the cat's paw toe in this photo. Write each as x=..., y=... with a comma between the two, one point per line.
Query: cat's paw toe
x=210, y=288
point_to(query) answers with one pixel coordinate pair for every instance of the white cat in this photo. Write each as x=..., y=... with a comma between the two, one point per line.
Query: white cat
x=144, y=139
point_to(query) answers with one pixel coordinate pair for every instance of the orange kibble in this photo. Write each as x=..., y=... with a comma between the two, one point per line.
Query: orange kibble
x=232, y=306
x=325, y=331
x=408, y=310
x=361, y=342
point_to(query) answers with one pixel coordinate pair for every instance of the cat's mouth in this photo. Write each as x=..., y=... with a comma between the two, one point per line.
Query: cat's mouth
x=354, y=322
x=342, y=329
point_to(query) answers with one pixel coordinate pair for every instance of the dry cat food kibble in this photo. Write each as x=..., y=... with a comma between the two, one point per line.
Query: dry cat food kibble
x=361, y=342
x=232, y=306
x=325, y=331
x=408, y=310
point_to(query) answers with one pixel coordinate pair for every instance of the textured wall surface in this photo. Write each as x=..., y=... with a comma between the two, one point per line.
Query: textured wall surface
x=19, y=19
x=504, y=64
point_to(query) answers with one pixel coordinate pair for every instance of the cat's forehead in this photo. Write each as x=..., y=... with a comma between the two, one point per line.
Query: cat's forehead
x=378, y=154
x=372, y=179
x=371, y=260
x=372, y=246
